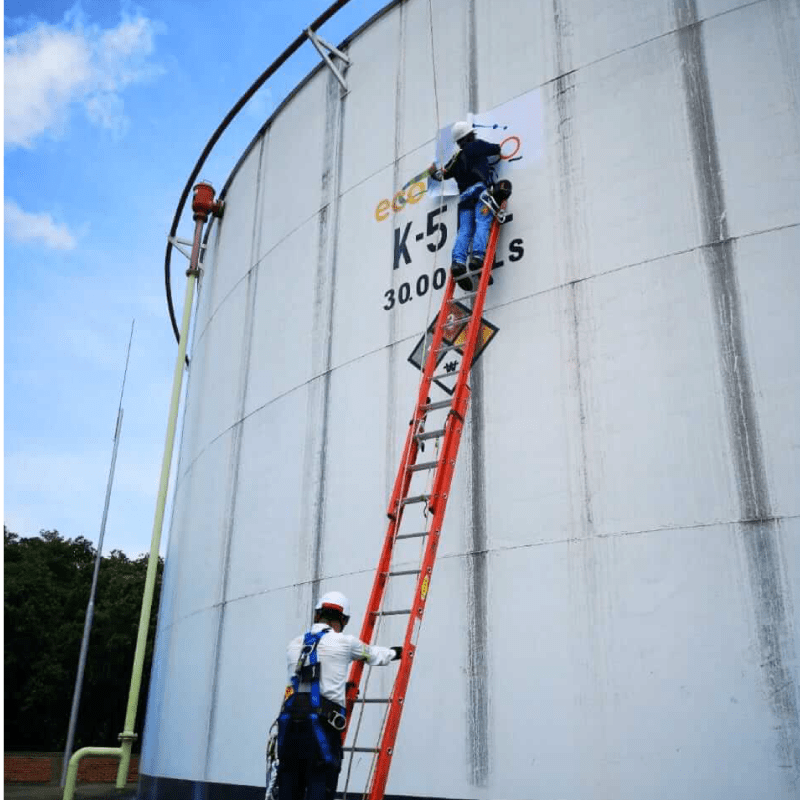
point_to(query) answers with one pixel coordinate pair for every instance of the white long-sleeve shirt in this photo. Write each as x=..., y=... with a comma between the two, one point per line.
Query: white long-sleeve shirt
x=335, y=651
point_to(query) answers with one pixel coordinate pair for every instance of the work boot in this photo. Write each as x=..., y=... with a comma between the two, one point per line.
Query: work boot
x=457, y=270
x=476, y=265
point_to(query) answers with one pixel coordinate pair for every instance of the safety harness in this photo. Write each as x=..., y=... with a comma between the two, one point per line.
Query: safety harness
x=308, y=671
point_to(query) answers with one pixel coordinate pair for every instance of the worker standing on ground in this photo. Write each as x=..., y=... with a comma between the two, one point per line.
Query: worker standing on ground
x=472, y=172
x=313, y=714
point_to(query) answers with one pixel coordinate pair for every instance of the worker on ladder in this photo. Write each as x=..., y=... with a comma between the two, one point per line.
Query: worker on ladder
x=470, y=167
x=312, y=717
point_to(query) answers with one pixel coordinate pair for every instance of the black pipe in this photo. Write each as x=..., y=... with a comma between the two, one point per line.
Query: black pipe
x=257, y=84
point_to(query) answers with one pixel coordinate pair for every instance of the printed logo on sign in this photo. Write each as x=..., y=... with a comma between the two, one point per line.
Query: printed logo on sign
x=398, y=202
x=414, y=191
x=421, y=234
x=424, y=592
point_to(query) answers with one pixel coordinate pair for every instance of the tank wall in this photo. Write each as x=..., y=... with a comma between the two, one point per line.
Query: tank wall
x=613, y=611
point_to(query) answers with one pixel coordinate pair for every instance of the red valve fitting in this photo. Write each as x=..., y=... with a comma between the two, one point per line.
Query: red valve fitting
x=203, y=201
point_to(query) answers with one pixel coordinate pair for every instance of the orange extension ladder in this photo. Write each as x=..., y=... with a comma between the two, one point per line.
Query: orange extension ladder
x=450, y=333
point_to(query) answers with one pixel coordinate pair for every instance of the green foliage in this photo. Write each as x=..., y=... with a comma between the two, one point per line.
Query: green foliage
x=47, y=583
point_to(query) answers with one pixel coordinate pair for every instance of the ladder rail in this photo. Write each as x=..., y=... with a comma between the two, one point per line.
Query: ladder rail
x=462, y=392
x=395, y=510
x=437, y=505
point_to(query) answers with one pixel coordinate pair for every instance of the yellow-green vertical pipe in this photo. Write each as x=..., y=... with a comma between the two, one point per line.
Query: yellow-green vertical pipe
x=202, y=205
x=128, y=735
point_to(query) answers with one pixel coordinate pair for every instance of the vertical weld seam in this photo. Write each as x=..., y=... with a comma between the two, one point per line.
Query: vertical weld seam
x=786, y=19
x=773, y=630
x=743, y=418
x=472, y=66
x=335, y=111
x=391, y=456
x=560, y=29
x=718, y=255
x=759, y=534
x=314, y=408
x=565, y=88
x=586, y=495
x=236, y=452
x=478, y=678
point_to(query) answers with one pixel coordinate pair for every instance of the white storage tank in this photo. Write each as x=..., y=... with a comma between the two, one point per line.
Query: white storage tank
x=614, y=610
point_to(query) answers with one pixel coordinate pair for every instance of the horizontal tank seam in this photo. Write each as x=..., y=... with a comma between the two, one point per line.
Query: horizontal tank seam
x=305, y=221
x=543, y=292
x=655, y=259
x=301, y=84
x=645, y=42
x=548, y=82
x=489, y=551
x=684, y=251
x=621, y=534
x=548, y=290
x=265, y=128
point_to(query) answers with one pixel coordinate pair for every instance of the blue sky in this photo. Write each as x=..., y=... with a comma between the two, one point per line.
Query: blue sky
x=107, y=108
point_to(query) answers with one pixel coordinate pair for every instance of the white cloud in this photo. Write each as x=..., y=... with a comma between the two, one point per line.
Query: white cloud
x=49, y=69
x=25, y=227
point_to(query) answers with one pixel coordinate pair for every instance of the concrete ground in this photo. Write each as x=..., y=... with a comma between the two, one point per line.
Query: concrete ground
x=83, y=791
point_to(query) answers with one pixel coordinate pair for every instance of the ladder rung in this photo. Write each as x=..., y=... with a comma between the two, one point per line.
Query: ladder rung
x=438, y=404
x=393, y=613
x=464, y=296
x=374, y=700
x=430, y=435
x=449, y=347
x=420, y=498
x=404, y=572
x=424, y=465
x=459, y=321
x=411, y=535
x=361, y=749
x=445, y=375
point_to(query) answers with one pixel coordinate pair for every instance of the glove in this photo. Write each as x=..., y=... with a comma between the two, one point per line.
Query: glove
x=398, y=653
x=435, y=172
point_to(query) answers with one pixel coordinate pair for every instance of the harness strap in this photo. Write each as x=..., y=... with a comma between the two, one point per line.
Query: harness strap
x=316, y=703
x=308, y=653
x=322, y=739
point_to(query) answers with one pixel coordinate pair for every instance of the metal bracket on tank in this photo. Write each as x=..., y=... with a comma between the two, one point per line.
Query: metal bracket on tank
x=176, y=243
x=322, y=46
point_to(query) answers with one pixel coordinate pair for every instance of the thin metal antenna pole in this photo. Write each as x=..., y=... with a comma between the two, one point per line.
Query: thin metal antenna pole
x=87, y=626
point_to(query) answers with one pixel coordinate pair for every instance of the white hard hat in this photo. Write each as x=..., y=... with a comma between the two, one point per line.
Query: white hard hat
x=336, y=601
x=460, y=130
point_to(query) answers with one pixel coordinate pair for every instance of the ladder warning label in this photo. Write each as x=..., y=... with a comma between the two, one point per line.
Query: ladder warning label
x=455, y=334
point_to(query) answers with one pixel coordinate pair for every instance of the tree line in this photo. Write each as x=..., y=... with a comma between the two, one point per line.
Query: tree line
x=47, y=583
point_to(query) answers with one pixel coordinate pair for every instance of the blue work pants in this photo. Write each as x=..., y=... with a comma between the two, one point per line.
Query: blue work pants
x=474, y=222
